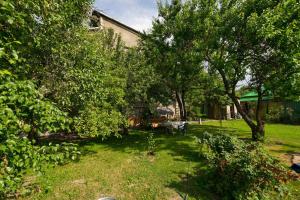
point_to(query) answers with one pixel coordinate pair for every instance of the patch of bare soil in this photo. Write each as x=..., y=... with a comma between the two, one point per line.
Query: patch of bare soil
x=79, y=182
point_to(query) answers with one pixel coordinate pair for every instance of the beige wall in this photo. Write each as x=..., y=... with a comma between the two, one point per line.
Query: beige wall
x=128, y=36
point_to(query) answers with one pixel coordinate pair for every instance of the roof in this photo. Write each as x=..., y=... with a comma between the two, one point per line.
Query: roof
x=101, y=14
x=252, y=96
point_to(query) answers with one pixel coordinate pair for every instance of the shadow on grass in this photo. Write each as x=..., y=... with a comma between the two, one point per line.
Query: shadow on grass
x=288, y=146
x=287, y=152
x=177, y=144
x=195, y=186
x=181, y=148
x=284, y=148
x=196, y=130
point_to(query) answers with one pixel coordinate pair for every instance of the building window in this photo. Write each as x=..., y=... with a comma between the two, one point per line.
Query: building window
x=94, y=22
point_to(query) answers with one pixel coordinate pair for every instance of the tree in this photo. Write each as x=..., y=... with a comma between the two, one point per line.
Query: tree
x=92, y=88
x=168, y=49
x=33, y=30
x=24, y=115
x=253, y=40
x=140, y=79
x=37, y=42
x=81, y=71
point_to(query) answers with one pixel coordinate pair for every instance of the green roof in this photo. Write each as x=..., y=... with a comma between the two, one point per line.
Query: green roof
x=252, y=97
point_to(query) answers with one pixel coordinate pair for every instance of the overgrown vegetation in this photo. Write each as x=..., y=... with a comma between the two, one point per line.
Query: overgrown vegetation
x=58, y=77
x=19, y=154
x=25, y=115
x=121, y=168
x=151, y=144
x=241, y=170
x=53, y=79
x=254, y=43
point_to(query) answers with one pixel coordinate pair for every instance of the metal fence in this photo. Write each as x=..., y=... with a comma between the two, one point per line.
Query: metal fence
x=295, y=106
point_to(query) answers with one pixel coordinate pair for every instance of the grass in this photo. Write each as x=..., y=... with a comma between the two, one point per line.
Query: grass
x=122, y=169
x=282, y=140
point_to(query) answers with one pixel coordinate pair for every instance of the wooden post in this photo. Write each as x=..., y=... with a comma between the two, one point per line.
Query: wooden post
x=200, y=121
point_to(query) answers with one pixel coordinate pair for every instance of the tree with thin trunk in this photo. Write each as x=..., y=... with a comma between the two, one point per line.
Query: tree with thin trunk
x=252, y=42
x=168, y=49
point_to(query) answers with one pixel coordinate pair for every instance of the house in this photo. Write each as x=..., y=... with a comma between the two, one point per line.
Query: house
x=131, y=37
x=274, y=109
x=249, y=100
x=213, y=110
x=99, y=20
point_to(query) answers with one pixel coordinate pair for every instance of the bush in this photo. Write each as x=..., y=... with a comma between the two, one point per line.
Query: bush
x=18, y=155
x=151, y=144
x=274, y=114
x=280, y=114
x=240, y=170
x=94, y=121
x=25, y=113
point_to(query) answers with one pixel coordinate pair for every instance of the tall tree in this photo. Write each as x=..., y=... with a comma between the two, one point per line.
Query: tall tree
x=79, y=70
x=24, y=112
x=253, y=40
x=168, y=48
x=35, y=29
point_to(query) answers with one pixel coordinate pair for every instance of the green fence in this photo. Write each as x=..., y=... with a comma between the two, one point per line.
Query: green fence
x=295, y=106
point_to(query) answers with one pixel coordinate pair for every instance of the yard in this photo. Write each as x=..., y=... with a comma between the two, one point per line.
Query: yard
x=121, y=168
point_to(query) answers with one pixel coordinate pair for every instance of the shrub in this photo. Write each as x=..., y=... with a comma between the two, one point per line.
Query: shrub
x=151, y=144
x=24, y=110
x=274, y=114
x=18, y=154
x=24, y=113
x=94, y=121
x=241, y=170
x=280, y=114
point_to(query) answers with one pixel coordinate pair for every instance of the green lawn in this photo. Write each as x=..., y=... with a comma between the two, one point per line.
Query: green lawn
x=282, y=140
x=122, y=169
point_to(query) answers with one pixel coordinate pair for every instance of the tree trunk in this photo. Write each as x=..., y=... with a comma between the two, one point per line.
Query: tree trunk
x=33, y=136
x=181, y=104
x=125, y=130
x=257, y=130
x=259, y=133
x=260, y=130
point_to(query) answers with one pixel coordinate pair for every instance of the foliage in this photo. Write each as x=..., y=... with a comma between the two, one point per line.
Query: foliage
x=33, y=30
x=184, y=197
x=241, y=170
x=94, y=121
x=93, y=82
x=70, y=65
x=24, y=114
x=281, y=114
x=76, y=68
x=18, y=155
x=168, y=47
x=143, y=86
x=151, y=144
x=92, y=73
x=25, y=111
x=250, y=41
x=51, y=62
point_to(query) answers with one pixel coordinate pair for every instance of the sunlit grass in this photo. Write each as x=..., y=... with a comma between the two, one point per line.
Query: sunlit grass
x=282, y=140
x=121, y=168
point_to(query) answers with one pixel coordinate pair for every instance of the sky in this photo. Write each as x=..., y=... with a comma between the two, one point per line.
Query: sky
x=137, y=14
